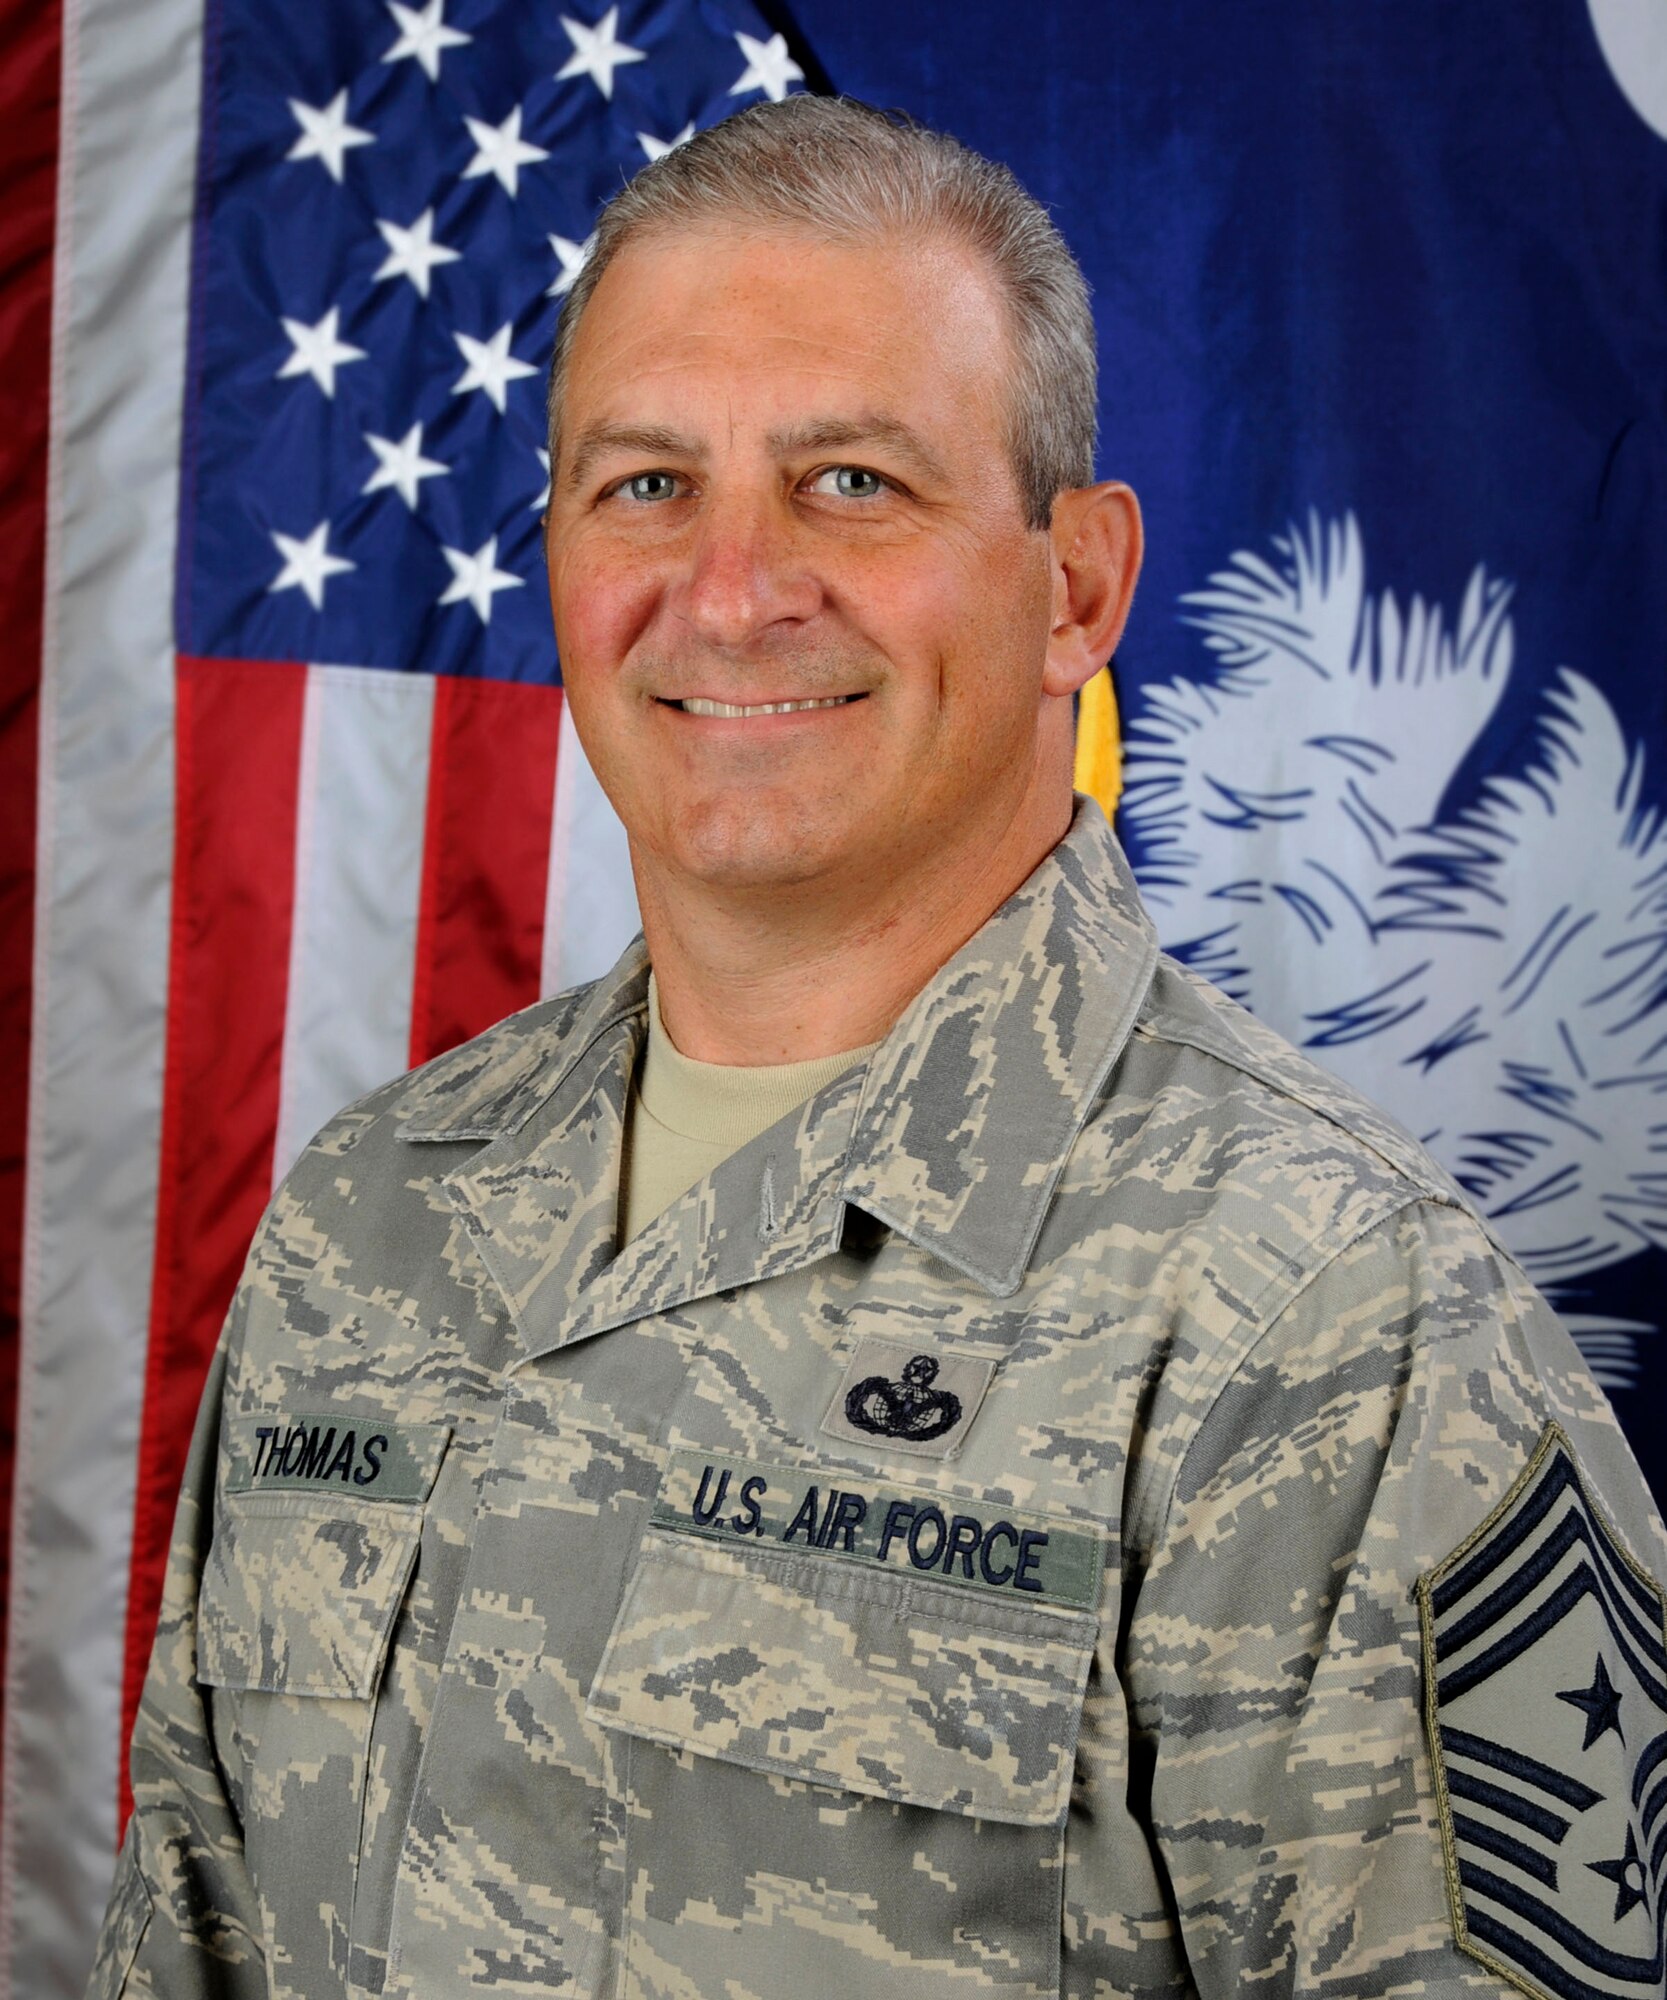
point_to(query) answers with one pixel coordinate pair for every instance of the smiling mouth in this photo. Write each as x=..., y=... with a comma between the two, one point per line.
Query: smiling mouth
x=731, y=711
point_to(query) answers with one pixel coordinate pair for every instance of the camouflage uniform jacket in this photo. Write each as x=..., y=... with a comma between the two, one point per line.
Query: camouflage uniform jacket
x=969, y=1544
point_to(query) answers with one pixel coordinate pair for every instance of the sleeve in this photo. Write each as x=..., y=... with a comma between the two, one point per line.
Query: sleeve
x=1370, y=1570
x=182, y=1920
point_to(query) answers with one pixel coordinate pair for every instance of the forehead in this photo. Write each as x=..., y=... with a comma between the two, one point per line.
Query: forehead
x=774, y=320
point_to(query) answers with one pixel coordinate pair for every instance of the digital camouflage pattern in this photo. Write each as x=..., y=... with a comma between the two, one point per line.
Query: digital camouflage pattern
x=534, y=1733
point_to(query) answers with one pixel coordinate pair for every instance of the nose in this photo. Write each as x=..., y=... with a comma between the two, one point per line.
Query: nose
x=748, y=573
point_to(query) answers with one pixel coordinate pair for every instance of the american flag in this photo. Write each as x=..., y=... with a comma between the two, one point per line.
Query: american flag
x=312, y=808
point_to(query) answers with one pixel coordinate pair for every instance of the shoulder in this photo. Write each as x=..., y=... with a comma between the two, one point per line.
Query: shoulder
x=1373, y=1231
x=1335, y=1282
x=483, y=1088
x=1417, y=1364
x=494, y=1082
x=356, y=1261
x=1213, y=1133
x=1194, y=1034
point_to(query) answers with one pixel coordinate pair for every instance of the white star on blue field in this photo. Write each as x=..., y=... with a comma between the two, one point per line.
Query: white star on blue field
x=392, y=224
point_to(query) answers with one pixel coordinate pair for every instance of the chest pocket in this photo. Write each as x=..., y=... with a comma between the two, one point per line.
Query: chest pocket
x=856, y=1781
x=299, y=1597
x=299, y=1600
x=317, y=1532
x=875, y=1684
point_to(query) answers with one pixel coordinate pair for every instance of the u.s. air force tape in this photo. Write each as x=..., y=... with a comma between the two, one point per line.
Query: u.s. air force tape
x=980, y=1545
x=340, y=1453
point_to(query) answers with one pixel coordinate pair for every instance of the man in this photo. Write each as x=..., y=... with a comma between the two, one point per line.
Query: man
x=918, y=1451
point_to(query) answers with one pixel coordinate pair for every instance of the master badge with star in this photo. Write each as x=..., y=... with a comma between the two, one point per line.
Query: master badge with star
x=1545, y=1667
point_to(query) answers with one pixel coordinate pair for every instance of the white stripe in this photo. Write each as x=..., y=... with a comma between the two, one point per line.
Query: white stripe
x=301, y=899
x=561, y=840
x=358, y=876
x=126, y=180
x=590, y=905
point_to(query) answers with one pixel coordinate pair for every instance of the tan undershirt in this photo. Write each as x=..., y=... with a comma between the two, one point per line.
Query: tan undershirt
x=687, y=1117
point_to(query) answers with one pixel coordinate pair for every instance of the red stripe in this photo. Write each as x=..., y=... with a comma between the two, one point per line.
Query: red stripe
x=486, y=858
x=29, y=62
x=237, y=737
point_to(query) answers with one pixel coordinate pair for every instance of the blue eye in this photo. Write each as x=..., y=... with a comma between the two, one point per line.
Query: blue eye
x=651, y=486
x=856, y=482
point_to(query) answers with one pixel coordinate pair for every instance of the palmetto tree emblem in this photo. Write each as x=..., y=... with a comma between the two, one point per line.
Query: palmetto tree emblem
x=1490, y=973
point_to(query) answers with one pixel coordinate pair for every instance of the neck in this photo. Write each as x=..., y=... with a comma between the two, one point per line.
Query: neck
x=809, y=970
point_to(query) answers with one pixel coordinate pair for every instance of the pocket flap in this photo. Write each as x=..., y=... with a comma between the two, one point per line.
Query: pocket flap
x=869, y=1681
x=299, y=1598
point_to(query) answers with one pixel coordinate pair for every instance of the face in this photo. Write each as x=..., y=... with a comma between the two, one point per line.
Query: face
x=802, y=622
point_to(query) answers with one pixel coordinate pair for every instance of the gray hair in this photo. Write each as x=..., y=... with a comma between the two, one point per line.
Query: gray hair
x=846, y=172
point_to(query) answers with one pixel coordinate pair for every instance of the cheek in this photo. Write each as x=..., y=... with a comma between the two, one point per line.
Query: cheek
x=600, y=605
x=989, y=632
x=923, y=615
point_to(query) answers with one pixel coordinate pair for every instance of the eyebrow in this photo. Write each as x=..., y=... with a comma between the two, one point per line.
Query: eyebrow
x=840, y=433
x=814, y=435
x=653, y=440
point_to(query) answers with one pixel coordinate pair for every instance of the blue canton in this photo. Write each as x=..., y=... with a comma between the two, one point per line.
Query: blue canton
x=1547, y=1698
x=391, y=206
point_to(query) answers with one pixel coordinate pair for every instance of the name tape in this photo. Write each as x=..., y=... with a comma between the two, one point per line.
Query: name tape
x=982, y=1547
x=343, y=1454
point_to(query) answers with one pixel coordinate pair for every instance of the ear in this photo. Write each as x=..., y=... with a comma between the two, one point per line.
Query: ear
x=1096, y=542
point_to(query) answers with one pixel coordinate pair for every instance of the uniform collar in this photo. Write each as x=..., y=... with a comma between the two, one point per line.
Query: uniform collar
x=958, y=1133
x=975, y=1099
x=491, y=1086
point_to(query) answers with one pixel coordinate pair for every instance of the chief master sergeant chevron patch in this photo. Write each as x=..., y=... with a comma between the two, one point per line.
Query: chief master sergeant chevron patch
x=1546, y=1695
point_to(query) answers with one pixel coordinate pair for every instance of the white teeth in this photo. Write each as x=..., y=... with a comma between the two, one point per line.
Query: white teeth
x=696, y=706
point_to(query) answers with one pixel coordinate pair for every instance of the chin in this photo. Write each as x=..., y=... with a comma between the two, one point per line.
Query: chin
x=746, y=847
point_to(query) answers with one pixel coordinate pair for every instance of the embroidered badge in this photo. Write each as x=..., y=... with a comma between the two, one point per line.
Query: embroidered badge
x=898, y=1398
x=982, y=1546
x=1545, y=1662
x=337, y=1453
